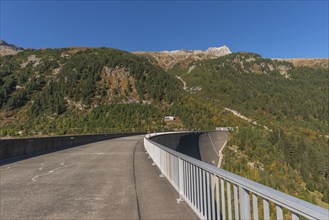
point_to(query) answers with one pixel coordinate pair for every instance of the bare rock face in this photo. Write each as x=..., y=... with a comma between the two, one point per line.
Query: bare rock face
x=168, y=59
x=218, y=51
x=213, y=51
x=8, y=49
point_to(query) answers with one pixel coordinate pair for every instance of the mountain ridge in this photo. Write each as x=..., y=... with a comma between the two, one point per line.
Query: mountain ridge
x=9, y=49
x=168, y=59
x=210, y=50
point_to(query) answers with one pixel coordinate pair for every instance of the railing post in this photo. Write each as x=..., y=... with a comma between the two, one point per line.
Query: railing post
x=244, y=203
x=204, y=194
x=217, y=198
x=229, y=203
x=180, y=180
x=161, y=163
x=208, y=185
x=194, y=188
x=222, y=187
x=266, y=209
x=201, y=203
x=212, y=181
x=279, y=213
x=236, y=202
x=255, y=206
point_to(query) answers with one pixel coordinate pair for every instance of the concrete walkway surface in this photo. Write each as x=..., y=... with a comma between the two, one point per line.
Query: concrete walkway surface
x=111, y=179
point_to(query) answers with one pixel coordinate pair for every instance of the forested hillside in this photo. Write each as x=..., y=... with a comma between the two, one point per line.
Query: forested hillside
x=292, y=102
x=78, y=90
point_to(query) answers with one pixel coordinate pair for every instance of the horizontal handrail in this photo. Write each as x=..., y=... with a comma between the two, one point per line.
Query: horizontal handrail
x=196, y=176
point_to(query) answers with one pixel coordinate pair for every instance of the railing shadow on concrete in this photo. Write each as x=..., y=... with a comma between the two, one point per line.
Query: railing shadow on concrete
x=214, y=193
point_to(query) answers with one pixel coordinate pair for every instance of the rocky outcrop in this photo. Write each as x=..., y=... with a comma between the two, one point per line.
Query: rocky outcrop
x=8, y=49
x=168, y=59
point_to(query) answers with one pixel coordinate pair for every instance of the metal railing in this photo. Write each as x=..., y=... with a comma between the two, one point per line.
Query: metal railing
x=214, y=193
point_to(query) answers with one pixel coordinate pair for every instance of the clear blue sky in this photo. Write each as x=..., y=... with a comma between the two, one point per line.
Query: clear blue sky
x=270, y=28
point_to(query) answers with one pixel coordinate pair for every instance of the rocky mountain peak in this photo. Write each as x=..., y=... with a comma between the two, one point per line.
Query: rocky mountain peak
x=215, y=51
x=167, y=59
x=5, y=44
x=218, y=51
x=8, y=49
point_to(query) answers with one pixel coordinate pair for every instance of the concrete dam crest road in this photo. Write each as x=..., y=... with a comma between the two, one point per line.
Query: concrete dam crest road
x=112, y=179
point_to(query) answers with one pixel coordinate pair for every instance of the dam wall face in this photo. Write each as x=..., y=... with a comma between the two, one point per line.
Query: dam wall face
x=203, y=145
x=11, y=148
x=186, y=143
x=211, y=144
